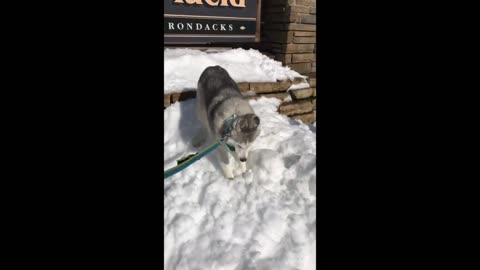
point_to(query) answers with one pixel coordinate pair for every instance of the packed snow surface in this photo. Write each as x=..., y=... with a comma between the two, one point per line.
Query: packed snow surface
x=263, y=219
x=184, y=66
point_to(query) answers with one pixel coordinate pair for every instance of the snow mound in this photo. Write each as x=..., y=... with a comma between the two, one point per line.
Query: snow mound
x=264, y=219
x=183, y=67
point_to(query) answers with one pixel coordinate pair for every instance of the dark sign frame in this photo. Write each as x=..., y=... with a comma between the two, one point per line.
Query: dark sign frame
x=190, y=24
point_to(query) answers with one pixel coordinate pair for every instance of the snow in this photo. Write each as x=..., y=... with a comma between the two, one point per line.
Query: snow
x=287, y=99
x=264, y=219
x=183, y=67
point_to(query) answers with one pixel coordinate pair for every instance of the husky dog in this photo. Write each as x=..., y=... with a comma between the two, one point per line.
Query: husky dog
x=220, y=106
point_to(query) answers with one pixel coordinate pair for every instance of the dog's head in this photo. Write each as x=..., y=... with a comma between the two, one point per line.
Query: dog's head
x=245, y=130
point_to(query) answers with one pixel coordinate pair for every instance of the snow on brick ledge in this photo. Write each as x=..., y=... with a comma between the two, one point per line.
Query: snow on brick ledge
x=280, y=90
x=184, y=66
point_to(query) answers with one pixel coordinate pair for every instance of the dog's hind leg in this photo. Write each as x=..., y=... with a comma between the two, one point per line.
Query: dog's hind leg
x=199, y=138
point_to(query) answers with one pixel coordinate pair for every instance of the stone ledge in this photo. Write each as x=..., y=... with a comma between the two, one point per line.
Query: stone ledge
x=245, y=86
x=301, y=93
x=183, y=96
x=175, y=97
x=166, y=100
x=250, y=91
x=282, y=85
x=271, y=87
x=261, y=87
x=306, y=118
x=295, y=107
x=312, y=81
x=280, y=95
x=247, y=89
x=298, y=80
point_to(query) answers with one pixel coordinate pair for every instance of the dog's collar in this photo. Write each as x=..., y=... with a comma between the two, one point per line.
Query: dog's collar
x=228, y=125
x=227, y=130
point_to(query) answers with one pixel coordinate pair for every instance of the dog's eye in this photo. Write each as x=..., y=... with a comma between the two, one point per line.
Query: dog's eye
x=230, y=147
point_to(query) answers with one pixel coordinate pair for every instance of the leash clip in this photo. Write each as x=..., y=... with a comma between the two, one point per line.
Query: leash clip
x=227, y=132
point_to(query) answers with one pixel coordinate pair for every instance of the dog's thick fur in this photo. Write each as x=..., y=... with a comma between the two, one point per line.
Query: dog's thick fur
x=218, y=98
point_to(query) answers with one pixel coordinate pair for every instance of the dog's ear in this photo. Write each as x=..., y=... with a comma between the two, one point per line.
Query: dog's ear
x=240, y=123
x=247, y=123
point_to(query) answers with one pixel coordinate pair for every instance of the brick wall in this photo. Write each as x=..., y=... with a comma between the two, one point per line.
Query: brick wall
x=289, y=32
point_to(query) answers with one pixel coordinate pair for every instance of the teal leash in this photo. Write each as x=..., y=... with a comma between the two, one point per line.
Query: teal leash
x=184, y=164
x=190, y=161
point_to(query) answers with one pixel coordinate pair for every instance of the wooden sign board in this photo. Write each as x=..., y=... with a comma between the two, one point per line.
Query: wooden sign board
x=211, y=21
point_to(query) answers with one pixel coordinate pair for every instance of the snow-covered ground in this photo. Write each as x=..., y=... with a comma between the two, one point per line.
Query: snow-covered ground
x=264, y=219
x=184, y=66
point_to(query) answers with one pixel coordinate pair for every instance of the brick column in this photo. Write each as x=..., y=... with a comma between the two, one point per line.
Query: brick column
x=289, y=31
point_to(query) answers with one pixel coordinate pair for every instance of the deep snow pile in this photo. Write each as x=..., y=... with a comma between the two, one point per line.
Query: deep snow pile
x=184, y=66
x=264, y=219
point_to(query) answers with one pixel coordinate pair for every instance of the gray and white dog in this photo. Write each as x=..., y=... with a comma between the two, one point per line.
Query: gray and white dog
x=220, y=106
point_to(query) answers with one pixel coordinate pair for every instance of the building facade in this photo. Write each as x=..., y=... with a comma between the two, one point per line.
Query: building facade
x=284, y=30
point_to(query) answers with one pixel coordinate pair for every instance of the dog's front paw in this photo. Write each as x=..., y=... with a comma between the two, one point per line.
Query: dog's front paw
x=228, y=171
x=243, y=166
x=239, y=168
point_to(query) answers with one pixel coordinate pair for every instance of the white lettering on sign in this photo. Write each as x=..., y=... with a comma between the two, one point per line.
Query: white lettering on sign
x=200, y=26
x=213, y=3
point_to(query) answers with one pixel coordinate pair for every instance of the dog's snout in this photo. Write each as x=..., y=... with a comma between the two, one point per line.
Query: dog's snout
x=243, y=159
